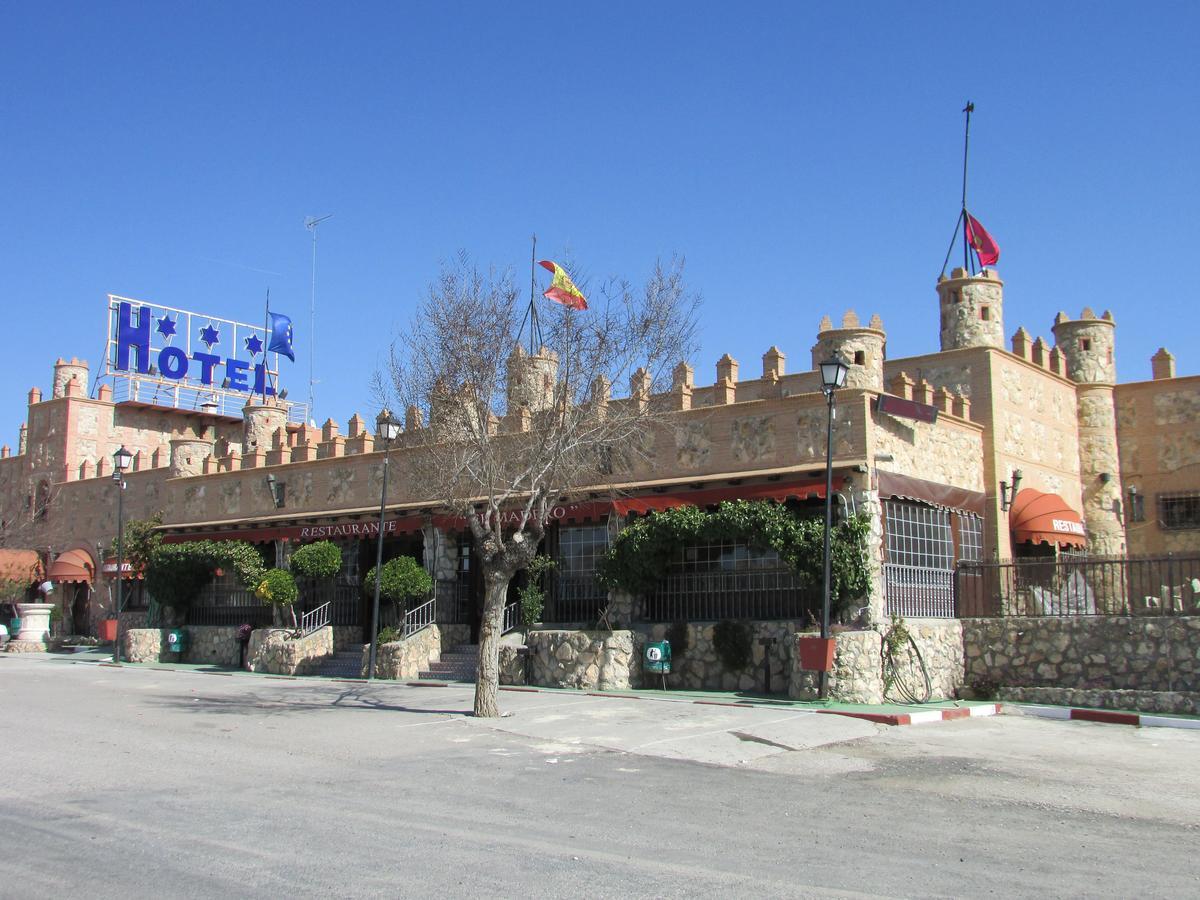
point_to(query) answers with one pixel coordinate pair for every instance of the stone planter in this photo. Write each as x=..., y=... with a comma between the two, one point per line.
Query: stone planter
x=35, y=622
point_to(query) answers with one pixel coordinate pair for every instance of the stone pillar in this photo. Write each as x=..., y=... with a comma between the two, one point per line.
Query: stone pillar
x=1162, y=364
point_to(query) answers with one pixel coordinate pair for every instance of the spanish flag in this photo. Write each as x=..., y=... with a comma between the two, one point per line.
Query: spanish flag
x=562, y=289
x=984, y=244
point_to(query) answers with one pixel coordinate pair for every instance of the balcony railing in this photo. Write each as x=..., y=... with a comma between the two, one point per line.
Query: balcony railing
x=768, y=594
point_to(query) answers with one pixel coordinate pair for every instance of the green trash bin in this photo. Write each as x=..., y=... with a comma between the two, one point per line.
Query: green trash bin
x=656, y=659
x=177, y=641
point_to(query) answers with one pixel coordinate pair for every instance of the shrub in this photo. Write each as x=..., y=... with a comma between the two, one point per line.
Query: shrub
x=176, y=573
x=401, y=580
x=278, y=588
x=731, y=640
x=532, y=596
x=320, y=560
x=390, y=635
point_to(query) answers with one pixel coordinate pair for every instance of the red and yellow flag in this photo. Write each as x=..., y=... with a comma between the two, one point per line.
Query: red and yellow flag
x=562, y=289
x=984, y=244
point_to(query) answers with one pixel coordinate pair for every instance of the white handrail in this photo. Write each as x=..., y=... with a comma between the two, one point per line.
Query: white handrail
x=512, y=618
x=314, y=619
x=421, y=617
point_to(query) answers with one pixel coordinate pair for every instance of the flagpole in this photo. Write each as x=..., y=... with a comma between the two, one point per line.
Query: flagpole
x=968, y=109
x=266, y=340
x=533, y=322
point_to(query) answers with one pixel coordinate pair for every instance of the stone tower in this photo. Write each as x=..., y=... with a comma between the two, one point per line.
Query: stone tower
x=863, y=348
x=531, y=379
x=65, y=372
x=972, y=309
x=260, y=420
x=1087, y=345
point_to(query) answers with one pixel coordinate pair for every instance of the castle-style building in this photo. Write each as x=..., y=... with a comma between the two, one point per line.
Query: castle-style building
x=986, y=448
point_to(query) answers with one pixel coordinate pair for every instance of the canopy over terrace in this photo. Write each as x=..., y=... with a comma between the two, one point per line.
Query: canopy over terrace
x=1043, y=518
x=24, y=566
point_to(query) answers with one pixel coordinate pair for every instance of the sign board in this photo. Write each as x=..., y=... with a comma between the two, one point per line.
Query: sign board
x=173, y=357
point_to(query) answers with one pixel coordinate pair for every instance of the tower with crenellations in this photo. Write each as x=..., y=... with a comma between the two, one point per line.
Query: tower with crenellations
x=972, y=309
x=1087, y=345
x=862, y=347
x=531, y=379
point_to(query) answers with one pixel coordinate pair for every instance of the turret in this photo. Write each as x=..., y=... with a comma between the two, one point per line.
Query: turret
x=972, y=310
x=864, y=348
x=260, y=420
x=531, y=379
x=65, y=372
x=1087, y=344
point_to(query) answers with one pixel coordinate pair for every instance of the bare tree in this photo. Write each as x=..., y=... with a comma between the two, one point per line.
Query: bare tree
x=513, y=430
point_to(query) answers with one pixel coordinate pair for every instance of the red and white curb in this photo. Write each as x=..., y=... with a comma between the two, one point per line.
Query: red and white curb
x=1107, y=716
x=943, y=714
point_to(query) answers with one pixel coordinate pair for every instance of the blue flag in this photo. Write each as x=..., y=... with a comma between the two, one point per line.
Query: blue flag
x=281, y=336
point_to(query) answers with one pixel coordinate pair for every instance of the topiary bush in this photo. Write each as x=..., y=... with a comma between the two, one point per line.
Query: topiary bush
x=401, y=579
x=320, y=560
x=278, y=588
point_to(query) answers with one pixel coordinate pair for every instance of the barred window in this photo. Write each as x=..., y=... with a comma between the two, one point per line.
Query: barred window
x=724, y=557
x=1179, y=510
x=918, y=535
x=970, y=536
x=580, y=548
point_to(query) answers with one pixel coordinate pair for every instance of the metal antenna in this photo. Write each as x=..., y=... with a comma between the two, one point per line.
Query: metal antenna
x=311, y=224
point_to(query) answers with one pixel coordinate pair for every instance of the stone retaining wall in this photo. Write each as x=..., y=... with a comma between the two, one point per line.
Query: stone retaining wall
x=215, y=645
x=453, y=635
x=588, y=660
x=1092, y=653
x=347, y=635
x=271, y=651
x=140, y=645
x=699, y=668
x=405, y=659
x=1184, y=702
x=941, y=644
x=512, y=664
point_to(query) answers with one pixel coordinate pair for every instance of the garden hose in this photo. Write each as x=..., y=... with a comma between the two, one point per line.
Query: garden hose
x=892, y=672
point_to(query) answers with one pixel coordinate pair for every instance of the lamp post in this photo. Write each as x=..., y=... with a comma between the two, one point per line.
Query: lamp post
x=121, y=460
x=389, y=429
x=833, y=376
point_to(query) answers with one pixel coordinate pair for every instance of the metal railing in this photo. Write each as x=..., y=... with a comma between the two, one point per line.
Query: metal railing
x=763, y=595
x=259, y=615
x=421, y=617
x=512, y=618
x=573, y=599
x=918, y=591
x=1080, y=586
x=314, y=619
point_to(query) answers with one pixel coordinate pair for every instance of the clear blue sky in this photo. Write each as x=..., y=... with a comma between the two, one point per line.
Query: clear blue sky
x=805, y=158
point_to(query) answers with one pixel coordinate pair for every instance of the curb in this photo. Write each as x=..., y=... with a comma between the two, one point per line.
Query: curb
x=909, y=718
x=919, y=718
x=1105, y=716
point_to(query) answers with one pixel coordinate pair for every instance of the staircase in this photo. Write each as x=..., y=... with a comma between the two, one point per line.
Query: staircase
x=345, y=663
x=459, y=664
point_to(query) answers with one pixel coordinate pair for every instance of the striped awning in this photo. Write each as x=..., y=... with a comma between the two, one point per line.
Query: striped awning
x=72, y=565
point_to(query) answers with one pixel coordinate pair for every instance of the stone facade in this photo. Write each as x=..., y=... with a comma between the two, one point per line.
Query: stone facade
x=588, y=660
x=512, y=664
x=972, y=310
x=699, y=668
x=141, y=645
x=857, y=675
x=215, y=645
x=1105, y=653
x=1187, y=703
x=405, y=659
x=272, y=651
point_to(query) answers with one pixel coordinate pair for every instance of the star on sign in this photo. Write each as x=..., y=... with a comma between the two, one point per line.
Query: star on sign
x=254, y=345
x=209, y=335
x=166, y=327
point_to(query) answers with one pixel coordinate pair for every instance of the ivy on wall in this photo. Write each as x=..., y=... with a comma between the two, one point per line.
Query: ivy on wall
x=177, y=573
x=641, y=553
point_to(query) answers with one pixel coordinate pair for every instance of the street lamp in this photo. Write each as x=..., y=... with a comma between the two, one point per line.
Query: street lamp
x=387, y=428
x=833, y=376
x=121, y=462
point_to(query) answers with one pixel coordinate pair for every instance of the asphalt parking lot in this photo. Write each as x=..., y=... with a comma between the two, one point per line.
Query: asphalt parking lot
x=134, y=782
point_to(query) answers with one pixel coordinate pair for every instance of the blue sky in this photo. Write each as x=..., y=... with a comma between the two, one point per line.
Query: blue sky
x=805, y=158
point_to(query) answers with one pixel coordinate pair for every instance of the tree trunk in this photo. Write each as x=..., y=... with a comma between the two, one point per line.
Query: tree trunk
x=487, y=678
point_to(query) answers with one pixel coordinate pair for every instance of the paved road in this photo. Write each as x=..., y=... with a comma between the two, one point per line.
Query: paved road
x=136, y=783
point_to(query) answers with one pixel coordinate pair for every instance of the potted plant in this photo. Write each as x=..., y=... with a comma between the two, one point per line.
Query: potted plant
x=401, y=579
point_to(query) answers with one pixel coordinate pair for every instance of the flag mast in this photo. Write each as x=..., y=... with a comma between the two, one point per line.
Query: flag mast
x=961, y=221
x=266, y=340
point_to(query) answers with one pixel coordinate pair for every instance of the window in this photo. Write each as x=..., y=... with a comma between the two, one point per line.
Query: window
x=1137, y=506
x=574, y=595
x=919, y=535
x=1085, y=344
x=985, y=313
x=970, y=536
x=1179, y=510
x=860, y=358
x=580, y=548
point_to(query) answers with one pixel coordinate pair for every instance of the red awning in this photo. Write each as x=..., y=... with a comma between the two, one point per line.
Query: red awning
x=1045, y=519
x=321, y=530
x=73, y=565
x=709, y=497
x=20, y=565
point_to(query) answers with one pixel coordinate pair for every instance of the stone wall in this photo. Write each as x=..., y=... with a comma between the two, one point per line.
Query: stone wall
x=453, y=635
x=699, y=668
x=347, y=636
x=512, y=664
x=1101, y=653
x=271, y=651
x=141, y=645
x=405, y=659
x=1186, y=702
x=588, y=660
x=857, y=675
x=207, y=644
x=941, y=644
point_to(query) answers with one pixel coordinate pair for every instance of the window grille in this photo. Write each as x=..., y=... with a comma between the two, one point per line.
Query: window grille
x=970, y=537
x=918, y=535
x=574, y=595
x=1179, y=510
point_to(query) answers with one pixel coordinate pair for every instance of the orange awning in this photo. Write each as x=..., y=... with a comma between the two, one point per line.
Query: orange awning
x=1045, y=519
x=20, y=565
x=73, y=565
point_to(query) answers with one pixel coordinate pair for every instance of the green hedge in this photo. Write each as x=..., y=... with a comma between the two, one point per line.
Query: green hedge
x=320, y=560
x=177, y=573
